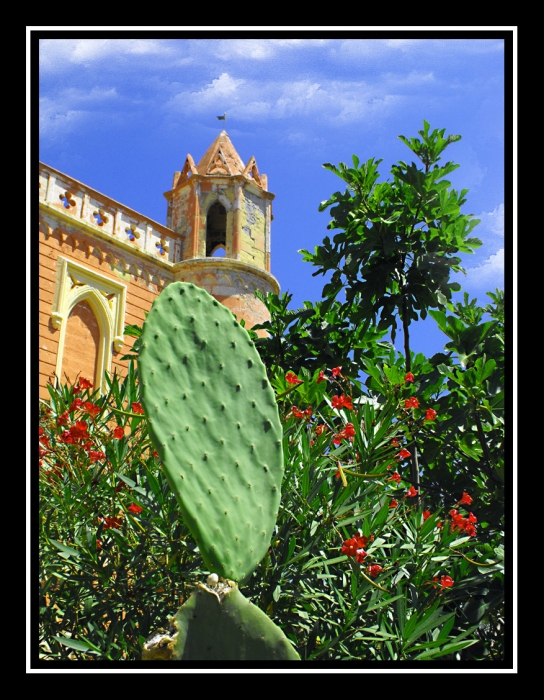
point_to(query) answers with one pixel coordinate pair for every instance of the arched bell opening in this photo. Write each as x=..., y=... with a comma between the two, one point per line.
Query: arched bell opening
x=216, y=229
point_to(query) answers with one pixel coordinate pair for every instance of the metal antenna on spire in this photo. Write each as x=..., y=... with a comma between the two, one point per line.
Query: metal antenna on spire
x=224, y=117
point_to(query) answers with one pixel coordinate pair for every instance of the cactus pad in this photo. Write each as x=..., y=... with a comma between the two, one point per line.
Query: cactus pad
x=218, y=623
x=214, y=421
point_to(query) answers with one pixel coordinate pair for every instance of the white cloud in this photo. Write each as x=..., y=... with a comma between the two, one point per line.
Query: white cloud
x=438, y=49
x=60, y=54
x=490, y=274
x=64, y=113
x=493, y=221
x=333, y=101
x=262, y=49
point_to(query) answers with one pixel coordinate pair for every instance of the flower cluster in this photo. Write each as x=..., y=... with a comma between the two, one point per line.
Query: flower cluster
x=292, y=378
x=354, y=547
x=459, y=522
x=137, y=407
x=135, y=508
x=412, y=402
x=82, y=385
x=342, y=401
x=113, y=522
x=409, y=377
x=299, y=413
x=444, y=582
x=346, y=434
x=412, y=492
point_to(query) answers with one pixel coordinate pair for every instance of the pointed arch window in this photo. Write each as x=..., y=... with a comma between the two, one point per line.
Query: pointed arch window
x=86, y=302
x=216, y=229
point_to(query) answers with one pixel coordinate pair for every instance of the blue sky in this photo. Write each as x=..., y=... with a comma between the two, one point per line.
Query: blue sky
x=121, y=114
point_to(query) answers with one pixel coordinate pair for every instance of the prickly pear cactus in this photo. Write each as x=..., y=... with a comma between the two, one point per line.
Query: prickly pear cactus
x=214, y=421
x=219, y=623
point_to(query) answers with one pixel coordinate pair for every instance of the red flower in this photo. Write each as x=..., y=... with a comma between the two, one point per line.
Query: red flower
x=337, y=439
x=411, y=492
x=465, y=498
x=360, y=555
x=349, y=430
x=135, y=508
x=409, y=377
x=430, y=414
x=292, y=378
x=355, y=544
x=395, y=442
x=335, y=371
x=341, y=402
x=308, y=413
x=296, y=412
x=396, y=477
x=374, y=569
x=445, y=581
x=412, y=402
x=98, y=544
x=470, y=529
x=393, y=503
x=79, y=430
x=92, y=409
x=113, y=522
x=44, y=438
x=321, y=428
x=458, y=522
x=321, y=377
x=62, y=419
x=75, y=405
x=404, y=454
x=82, y=384
x=137, y=407
x=426, y=514
x=66, y=437
x=119, y=433
x=94, y=455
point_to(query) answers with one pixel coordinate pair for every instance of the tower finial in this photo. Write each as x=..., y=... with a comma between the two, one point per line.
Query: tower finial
x=224, y=117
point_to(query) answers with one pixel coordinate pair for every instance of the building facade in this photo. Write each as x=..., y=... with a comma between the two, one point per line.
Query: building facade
x=102, y=264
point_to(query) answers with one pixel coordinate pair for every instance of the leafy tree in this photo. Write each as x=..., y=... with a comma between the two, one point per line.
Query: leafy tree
x=400, y=239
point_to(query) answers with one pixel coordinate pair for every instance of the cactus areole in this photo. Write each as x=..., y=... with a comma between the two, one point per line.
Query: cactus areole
x=214, y=421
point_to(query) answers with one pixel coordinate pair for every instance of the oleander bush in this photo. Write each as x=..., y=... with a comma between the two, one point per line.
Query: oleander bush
x=389, y=539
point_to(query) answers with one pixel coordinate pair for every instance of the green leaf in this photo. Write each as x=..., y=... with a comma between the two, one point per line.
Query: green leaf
x=78, y=645
x=429, y=622
x=66, y=551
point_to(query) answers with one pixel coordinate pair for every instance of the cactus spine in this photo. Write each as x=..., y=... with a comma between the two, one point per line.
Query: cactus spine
x=214, y=421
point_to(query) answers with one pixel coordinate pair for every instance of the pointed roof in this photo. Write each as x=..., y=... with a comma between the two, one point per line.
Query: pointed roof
x=221, y=158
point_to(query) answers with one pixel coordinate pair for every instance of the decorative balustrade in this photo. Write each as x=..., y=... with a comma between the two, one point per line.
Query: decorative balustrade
x=73, y=200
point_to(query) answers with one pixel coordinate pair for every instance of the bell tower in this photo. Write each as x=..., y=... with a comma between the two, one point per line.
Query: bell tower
x=222, y=210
